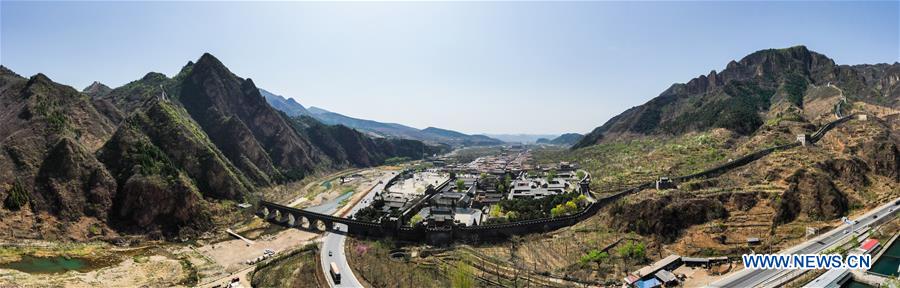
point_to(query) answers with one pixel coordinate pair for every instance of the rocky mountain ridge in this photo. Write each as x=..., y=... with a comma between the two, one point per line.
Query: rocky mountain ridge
x=566, y=139
x=379, y=129
x=158, y=154
x=765, y=85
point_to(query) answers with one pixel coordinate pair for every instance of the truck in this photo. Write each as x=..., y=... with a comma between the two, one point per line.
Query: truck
x=335, y=273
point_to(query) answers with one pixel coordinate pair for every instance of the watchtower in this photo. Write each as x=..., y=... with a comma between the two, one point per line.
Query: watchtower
x=802, y=139
x=663, y=183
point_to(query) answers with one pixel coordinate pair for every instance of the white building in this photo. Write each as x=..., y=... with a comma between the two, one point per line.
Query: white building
x=536, y=188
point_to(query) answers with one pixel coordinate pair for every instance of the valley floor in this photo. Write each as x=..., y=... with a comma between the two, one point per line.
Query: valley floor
x=208, y=262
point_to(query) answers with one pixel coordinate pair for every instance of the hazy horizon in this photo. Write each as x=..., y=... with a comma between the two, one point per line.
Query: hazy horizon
x=478, y=68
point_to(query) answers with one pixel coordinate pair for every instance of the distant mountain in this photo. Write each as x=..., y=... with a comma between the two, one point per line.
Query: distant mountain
x=567, y=139
x=376, y=128
x=767, y=85
x=160, y=154
x=347, y=144
x=286, y=105
x=521, y=138
x=460, y=138
x=391, y=130
x=96, y=89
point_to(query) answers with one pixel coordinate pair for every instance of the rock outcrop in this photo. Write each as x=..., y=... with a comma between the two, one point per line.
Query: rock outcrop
x=813, y=194
x=665, y=217
x=737, y=97
x=157, y=154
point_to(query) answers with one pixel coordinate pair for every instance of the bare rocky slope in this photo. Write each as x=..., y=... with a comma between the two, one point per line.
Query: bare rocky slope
x=158, y=154
x=764, y=100
x=763, y=85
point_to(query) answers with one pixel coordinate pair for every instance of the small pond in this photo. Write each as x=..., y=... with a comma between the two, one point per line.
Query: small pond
x=888, y=264
x=59, y=264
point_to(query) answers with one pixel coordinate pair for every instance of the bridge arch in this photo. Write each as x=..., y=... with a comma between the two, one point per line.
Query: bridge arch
x=305, y=223
x=291, y=221
x=275, y=215
x=320, y=225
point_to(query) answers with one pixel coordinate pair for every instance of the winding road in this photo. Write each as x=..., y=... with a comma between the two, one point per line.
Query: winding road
x=334, y=243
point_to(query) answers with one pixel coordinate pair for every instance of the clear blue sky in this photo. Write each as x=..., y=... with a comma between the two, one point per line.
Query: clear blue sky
x=536, y=67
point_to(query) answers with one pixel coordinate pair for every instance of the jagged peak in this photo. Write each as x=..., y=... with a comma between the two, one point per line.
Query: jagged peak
x=7, y=71
x=39, y=78
x=799, y=52
x=96, y=85
x=208, y=65
x=732, y=65
x=96, y=89
x=208, y=60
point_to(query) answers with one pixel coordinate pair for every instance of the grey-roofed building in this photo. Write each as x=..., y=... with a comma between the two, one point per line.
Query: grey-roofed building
x=537, y=188
x=665, y=276
x=451, y=199
x=467, y=216
x=695, y=261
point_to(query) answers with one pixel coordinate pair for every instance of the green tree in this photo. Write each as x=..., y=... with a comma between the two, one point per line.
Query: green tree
x=551, y=175
x=581, y=200
x=557, y=211
x=504, y=185
x=854, y=242
x=571, y=207
x=635, y=251
x=495, y=211
x=460, y=185
x=564, y=209
x=415, y=220
x=580, y=174
x=17, y=198
x=596, y=257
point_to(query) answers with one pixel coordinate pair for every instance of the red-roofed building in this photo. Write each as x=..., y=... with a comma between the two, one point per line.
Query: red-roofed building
x=630, y=279
x=869, y=245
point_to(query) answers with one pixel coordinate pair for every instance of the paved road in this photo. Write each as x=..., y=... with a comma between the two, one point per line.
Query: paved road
x=334, y=243
x=759, y=278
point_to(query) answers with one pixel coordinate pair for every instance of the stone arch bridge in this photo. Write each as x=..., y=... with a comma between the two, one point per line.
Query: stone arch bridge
x=308, y=220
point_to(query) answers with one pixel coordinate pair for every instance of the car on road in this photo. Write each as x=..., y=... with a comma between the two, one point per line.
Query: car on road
x=329, y=253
